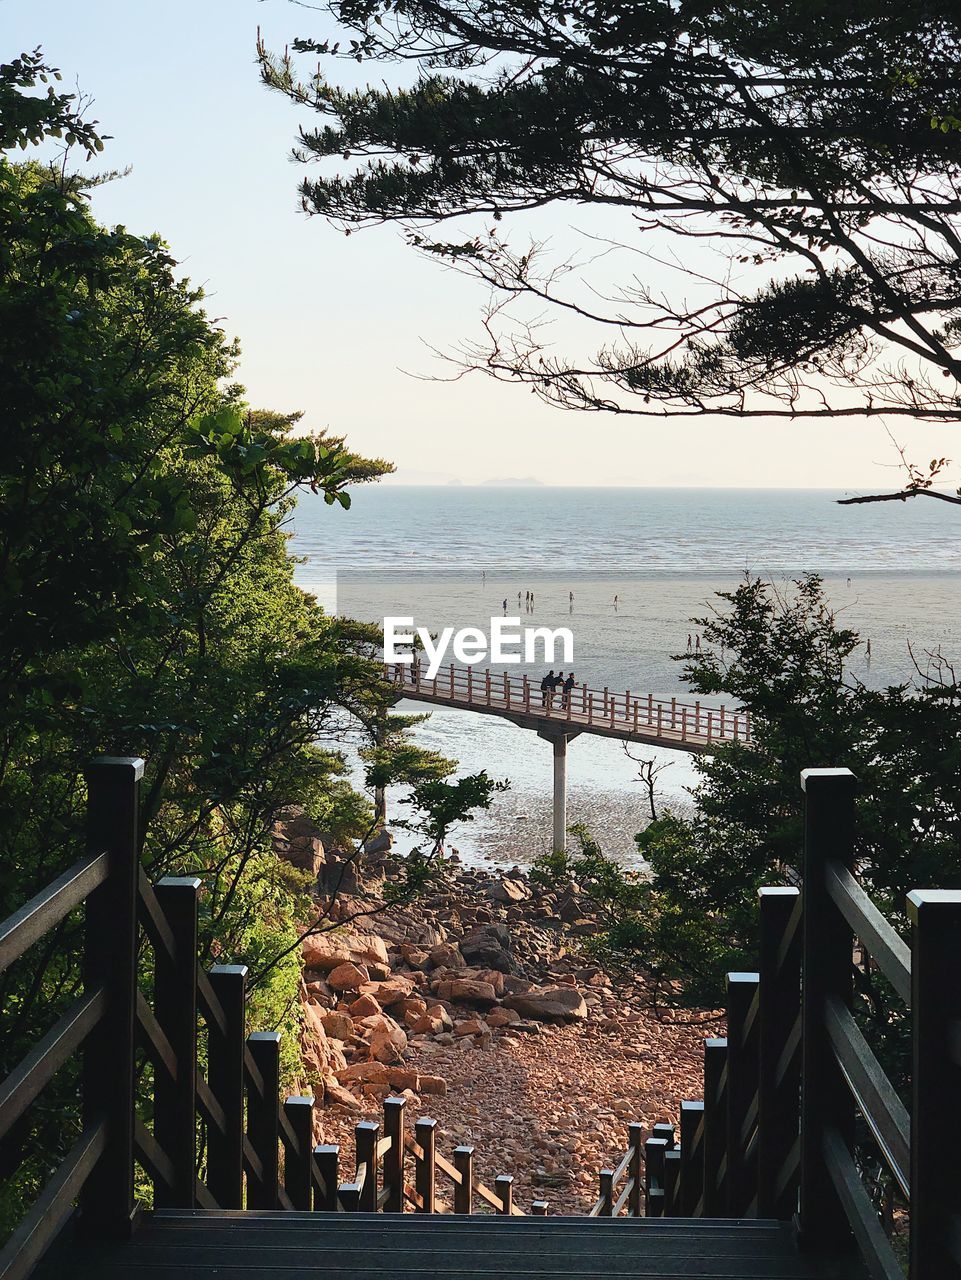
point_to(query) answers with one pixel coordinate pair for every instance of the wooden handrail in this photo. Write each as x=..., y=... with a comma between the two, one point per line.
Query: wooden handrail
x=446, y=1167
x=52, y=1208
x=673, y=719
x=47, y=908
x=34, y=1072
x=890, y=952
x=152, y=918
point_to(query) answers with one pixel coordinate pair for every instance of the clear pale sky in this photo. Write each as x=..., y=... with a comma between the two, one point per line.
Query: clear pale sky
x=328, y=323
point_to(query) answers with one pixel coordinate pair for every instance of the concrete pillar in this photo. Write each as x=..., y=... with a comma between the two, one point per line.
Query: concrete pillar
x=560, y=793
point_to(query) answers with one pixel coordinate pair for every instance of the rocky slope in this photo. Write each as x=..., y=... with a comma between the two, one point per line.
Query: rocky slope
x=477, y=1006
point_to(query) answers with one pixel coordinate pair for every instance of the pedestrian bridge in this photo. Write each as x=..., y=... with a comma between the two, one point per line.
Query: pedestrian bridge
x=671, y=722
x=558, y=717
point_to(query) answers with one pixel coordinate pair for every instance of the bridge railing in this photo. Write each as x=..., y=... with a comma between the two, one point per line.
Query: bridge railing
x=602, y=708
x=794, y=1093
x=170, y=1082
x=380, y=1181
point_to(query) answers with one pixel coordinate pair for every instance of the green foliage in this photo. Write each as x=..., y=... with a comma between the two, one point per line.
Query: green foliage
x=438, y=804
x=783, y=657
x=147, y=601
x=817, y=142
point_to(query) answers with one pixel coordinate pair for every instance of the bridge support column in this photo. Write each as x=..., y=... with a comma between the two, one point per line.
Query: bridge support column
x=560, y=794
x=559, y=738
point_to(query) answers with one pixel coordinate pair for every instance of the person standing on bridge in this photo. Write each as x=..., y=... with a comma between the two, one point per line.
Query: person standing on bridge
x=547, y=687
x=567, y=688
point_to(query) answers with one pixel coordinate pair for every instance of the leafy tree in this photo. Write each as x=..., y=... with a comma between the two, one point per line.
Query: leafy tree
x=783, y=657
x=147, y=601
x=814, y=147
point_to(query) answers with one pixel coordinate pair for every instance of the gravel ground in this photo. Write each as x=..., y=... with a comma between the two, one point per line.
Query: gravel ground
x=553, y=1108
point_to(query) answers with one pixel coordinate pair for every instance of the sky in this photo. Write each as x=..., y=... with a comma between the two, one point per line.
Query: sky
x=343, y=327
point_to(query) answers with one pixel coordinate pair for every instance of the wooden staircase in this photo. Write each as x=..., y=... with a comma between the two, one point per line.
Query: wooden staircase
x=365, y=1246
x=763, y=1181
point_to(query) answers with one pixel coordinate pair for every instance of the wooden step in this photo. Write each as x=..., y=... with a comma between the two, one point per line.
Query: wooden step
x=285, y=1246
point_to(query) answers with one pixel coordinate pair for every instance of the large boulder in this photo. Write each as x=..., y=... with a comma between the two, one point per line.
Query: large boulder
x=297, y=840
x=488, y=947
x=468, y=991
x=549, y=1004
x=508, y=891
x=391, y=992
x=325, y=951
x=363, y=1073
x=348, y=977
x=445, y=955
x=388, y=1040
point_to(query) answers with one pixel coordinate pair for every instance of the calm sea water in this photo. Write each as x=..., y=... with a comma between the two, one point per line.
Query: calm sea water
x=451, y=556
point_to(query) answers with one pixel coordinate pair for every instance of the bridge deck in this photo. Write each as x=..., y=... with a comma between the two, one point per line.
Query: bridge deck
x=683, y=726
x=290, y=1246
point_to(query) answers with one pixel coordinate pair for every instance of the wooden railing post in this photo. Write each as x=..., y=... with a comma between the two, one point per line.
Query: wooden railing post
x=935, y=1082
x=692, y=1170
x=539, y=1208
x=827, y=1107
x=327, y=1164
x=504, y=1190
x=263, y=1119
x=425, y=1170
x=464, y=1192
x=741, y=1088
x=110, y=960
x=394, y=1128
x=175, y=998
x=635, y=1171
x=778, y=1115
x=672, y=1181
x=654, y=1152
x=225, y=1074
x=606, y=1180
x=298, y=1171
x=366, y=1135
x=715, y=1126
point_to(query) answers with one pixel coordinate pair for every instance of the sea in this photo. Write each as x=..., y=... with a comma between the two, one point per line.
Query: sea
x=632, y=574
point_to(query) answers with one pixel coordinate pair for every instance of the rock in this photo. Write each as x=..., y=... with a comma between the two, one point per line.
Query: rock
x=446, y=955
x=325, y=951
x=509, y=891
x=549, y=1004
x=488, y=947
x=468, y=991
x=495, y=978
x=426, y=1025
x=335, y=1093
x=470, y=1027
x=393, y=991
x=297, y=840
x=388, y=1040
x=433, y=1084
x=414, y=956
x=338, y=1025
x=502, y=1017
x=363, y=1073
x=365, y=1007
x=348, y=977
x=382, y=842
